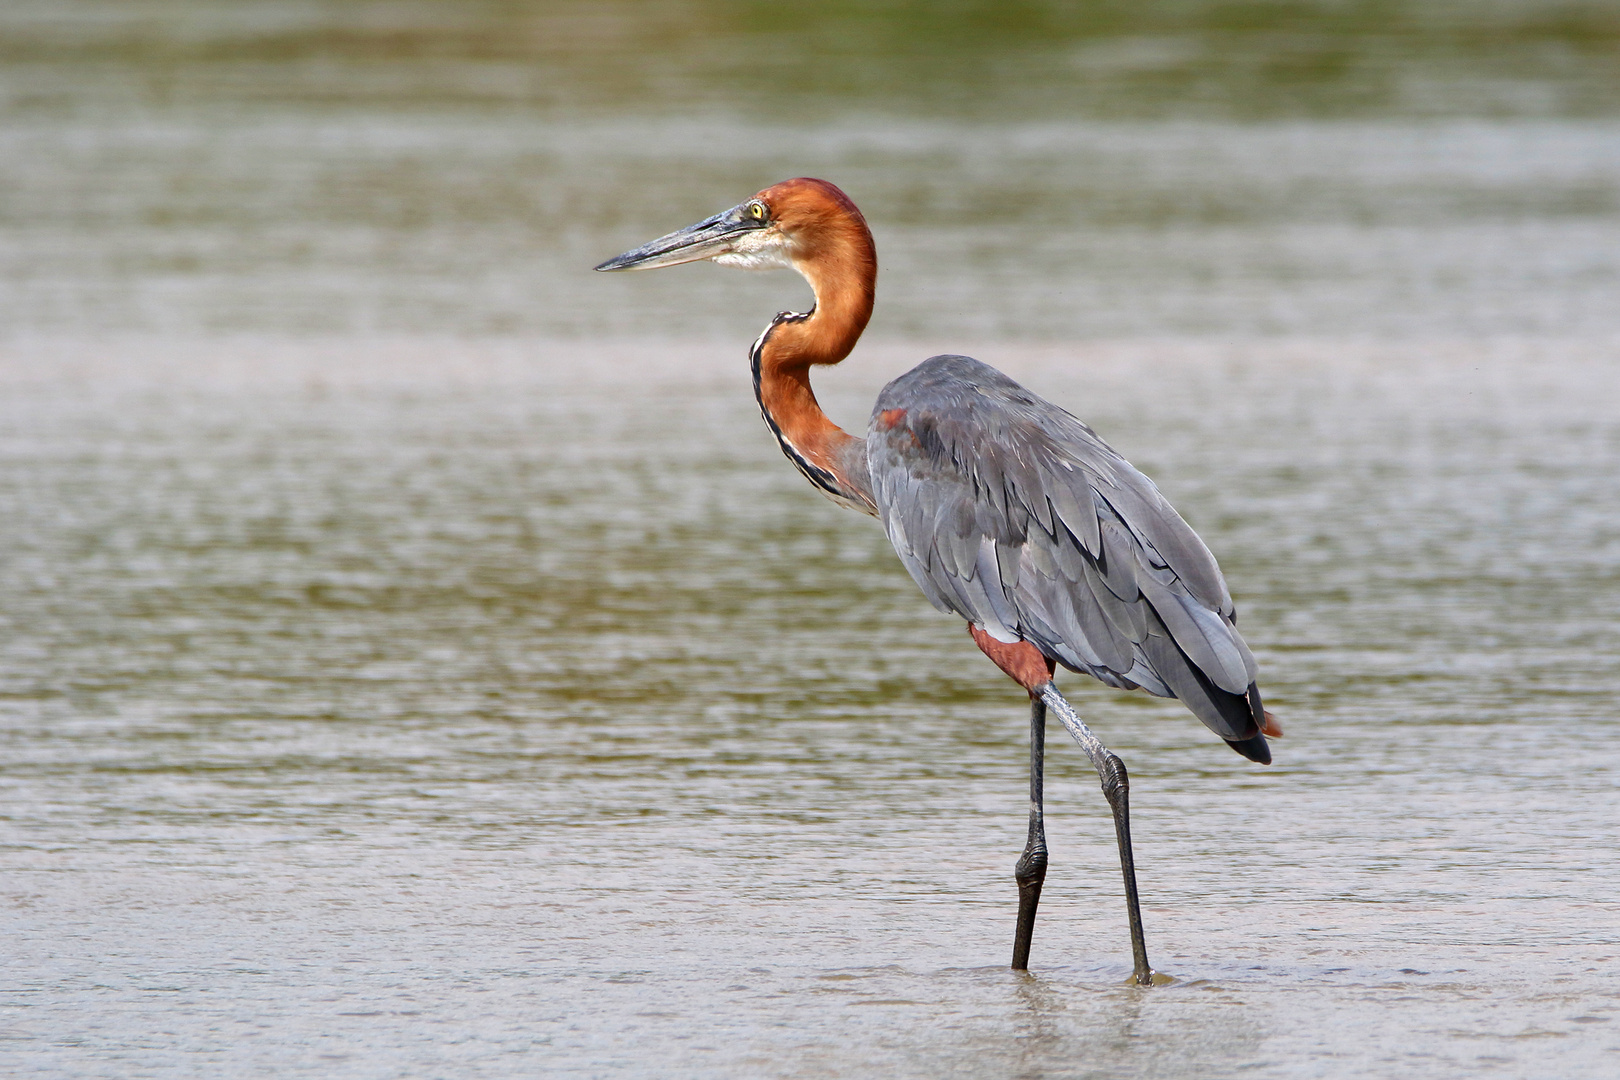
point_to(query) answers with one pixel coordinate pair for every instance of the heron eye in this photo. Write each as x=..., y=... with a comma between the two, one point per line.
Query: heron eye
x=756, y=211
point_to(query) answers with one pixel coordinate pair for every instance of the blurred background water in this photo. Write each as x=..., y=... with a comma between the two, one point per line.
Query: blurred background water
x=416, y=659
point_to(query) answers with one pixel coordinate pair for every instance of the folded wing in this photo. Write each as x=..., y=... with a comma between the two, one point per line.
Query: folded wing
x=1010, y=512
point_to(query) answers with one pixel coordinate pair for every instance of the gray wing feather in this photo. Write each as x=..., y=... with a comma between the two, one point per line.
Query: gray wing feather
x=1128, y=616
x=1015, y=515
x=1081, y=521
x=988, y=581
x=1117, y=566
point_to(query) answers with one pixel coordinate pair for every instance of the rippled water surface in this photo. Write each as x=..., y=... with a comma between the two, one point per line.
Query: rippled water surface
x=416, y=659
x=438, y=708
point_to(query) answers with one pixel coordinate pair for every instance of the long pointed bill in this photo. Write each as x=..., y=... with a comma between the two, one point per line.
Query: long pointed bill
x=708, y=238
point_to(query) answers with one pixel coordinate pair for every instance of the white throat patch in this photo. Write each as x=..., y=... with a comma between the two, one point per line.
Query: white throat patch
x=766, y=249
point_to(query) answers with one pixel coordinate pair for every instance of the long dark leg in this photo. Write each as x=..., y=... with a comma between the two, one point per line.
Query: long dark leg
x=1030, y=872
x=1116, y=786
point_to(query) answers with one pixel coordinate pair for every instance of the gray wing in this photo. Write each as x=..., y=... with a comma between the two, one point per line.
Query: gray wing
x=1012, y=513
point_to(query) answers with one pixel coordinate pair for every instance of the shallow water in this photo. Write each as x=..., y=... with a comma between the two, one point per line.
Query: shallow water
x=445, y=708
x=417, y=660
x=362, y=167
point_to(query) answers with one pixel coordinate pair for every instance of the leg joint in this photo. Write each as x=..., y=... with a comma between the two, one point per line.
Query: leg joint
x=1031, y=868
x=1116, y=782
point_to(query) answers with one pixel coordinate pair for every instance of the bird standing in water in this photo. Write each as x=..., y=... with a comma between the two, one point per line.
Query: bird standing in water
x=1005, y=509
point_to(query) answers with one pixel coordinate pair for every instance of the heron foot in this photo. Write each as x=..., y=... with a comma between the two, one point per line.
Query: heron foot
x=1155, y=978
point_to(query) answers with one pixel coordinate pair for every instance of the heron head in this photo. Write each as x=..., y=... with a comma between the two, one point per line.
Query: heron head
x=779, y=227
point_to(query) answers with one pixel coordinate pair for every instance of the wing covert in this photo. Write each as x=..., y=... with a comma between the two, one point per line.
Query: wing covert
x=1012, y=513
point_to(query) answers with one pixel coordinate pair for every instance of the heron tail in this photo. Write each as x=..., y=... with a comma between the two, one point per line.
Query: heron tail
x=1256, y=748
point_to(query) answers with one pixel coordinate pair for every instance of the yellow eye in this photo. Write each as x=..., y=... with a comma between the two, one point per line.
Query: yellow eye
x=756, y=211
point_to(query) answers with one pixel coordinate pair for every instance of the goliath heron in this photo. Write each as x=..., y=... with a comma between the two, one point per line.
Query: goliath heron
x=1006, y=510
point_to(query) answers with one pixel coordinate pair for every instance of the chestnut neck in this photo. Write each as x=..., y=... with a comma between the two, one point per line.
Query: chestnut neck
x=842, y=271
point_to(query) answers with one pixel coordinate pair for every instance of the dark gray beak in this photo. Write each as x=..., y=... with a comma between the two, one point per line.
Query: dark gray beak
x=708, y=238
